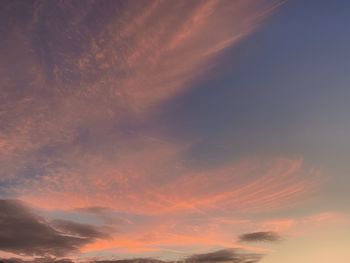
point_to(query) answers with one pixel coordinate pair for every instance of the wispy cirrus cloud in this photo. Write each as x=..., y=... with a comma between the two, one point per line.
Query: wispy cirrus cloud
x=134, y=56
x=264, y=186
x=80, y=84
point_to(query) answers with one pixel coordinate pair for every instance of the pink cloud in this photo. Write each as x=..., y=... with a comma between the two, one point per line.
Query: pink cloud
x=157, y=185
x=138, y=60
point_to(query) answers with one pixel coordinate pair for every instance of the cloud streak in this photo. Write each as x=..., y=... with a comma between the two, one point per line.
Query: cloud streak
x=225, y=255
x=262, y=236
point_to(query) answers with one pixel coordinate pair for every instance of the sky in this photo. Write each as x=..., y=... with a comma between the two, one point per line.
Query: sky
x=157, y=131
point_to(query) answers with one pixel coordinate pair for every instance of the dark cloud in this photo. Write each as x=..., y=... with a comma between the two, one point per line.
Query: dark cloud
x=106, y=214
x=54, y=260
x=37, y=260
x=82, y=230
x=136, y=260
x=224, y=255
x=24, y=233
x=260, y=236
x=94, y=209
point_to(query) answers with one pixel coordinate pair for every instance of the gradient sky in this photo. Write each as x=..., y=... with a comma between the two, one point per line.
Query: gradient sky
x=174, y=129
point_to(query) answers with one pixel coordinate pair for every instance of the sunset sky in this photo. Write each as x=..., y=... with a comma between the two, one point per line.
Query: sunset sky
x=194, y=130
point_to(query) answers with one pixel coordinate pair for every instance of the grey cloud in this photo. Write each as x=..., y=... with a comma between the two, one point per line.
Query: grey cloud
x=74, y=228
x=136, y=260
x=106, y=214
x=37, y=260
x=54, y=260
x=94, y=209
x=260, y=236
x=224, y=255
x=24, y=233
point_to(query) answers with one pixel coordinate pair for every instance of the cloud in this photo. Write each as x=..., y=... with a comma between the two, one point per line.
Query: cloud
x=153, y=206
x=74, y=228
x=135, y=56
x=81, y=83
x=94, y=210
x=225, y=255
x=37, y=260
x=136, y=260
x=159, y=185
x=74, y=131
x=260, y=237
x=24, y=233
